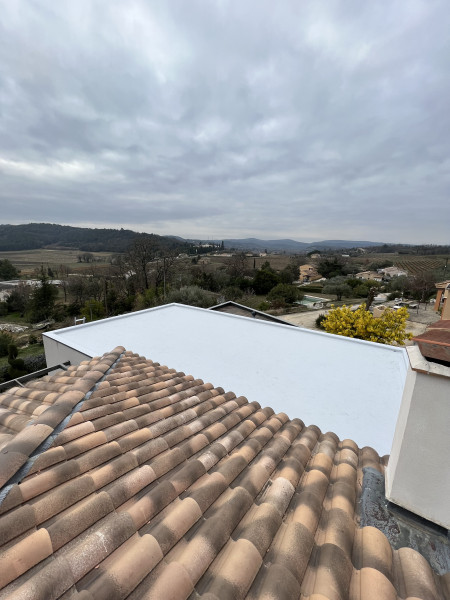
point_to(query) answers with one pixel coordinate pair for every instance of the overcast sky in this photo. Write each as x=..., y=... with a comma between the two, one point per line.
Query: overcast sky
x=215, y=119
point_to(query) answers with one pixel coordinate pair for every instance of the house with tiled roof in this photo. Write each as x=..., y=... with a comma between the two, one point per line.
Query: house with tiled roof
x=123, y=478
x=308, y=273
x=369, y=276
x=134, y=480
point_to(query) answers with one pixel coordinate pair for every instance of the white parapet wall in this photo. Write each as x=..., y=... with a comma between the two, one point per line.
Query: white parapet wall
x=418, y=473
x=351, y=387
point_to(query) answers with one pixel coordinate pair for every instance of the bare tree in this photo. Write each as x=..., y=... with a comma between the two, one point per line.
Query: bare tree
x=77, y=287
x=422, y=285
x=238, y=265
x=164, y=271
x=139, y=254
x=62, y=273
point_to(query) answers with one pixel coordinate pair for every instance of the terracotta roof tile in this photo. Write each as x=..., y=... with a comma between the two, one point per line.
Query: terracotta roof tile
x=124, y=569
x=158, y=485
x=24, y=555
x=78, y=518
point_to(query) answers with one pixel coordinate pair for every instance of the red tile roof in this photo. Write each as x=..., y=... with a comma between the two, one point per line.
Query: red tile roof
x=434, y=343
x=142, y=482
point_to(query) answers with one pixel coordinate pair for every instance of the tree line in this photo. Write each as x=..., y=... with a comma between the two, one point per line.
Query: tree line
x=43, y=235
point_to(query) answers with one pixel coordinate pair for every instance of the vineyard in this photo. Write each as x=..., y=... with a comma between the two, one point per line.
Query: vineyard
x=418, y=264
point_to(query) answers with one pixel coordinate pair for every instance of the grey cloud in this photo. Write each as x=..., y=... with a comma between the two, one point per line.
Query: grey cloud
x=228, y=119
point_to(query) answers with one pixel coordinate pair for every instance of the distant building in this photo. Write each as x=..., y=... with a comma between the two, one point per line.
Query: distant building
x=390, y=272
x=442, y=304
x=308, y=273
x=369, y=275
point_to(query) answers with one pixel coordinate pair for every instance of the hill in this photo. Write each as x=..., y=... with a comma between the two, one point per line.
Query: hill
x=46, y=235
x=288, y=245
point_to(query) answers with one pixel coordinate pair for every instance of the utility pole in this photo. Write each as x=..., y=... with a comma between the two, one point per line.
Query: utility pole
x=164, y=278
x=106, y=301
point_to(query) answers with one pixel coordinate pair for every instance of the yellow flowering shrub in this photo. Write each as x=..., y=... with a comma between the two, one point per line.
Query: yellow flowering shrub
x=390, y=328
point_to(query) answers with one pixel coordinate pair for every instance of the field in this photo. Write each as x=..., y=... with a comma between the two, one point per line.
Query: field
x=30, y=260
x=418, y=264
x=277, y=261
x=412, y=263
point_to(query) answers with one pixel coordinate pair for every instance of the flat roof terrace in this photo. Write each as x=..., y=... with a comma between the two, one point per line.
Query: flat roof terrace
x=349, y=386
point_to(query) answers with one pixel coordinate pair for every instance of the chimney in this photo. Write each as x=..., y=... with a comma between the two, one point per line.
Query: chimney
x=418, y=472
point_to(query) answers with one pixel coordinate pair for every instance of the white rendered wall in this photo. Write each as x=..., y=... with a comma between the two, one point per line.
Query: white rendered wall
x=418, y=473
x=351, y=387
x=54, y=351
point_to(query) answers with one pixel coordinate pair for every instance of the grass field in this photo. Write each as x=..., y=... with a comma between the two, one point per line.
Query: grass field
x=30, y=260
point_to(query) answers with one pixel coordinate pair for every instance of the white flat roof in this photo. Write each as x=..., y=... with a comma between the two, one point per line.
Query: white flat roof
x=348, y=386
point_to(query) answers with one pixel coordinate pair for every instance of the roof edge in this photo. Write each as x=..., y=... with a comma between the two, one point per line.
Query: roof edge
x=33, y=439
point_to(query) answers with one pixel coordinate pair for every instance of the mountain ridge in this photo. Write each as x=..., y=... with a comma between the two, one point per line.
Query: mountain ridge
x=32, y=236
x=294, y=246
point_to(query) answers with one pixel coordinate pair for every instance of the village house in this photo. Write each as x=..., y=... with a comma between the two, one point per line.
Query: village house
x=369, y=275
x=389, y=272
x=308, y=273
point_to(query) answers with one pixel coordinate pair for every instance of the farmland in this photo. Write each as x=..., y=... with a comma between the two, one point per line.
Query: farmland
x=414, y=264
x=418, y=264
x=27, y=261
x=277, y=261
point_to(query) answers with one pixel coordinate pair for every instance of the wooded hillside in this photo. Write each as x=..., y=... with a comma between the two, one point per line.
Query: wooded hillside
x=46, y=235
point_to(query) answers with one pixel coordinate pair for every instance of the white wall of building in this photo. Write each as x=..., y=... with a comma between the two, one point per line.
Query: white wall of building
x=418, y=473
x=54, y=350
x=351, y=387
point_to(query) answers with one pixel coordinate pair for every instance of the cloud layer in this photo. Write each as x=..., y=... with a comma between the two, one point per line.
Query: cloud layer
x=228, y=119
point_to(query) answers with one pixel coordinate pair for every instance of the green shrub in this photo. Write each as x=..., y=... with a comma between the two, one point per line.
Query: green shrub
x=93, y=310
x=16, y=368
x=191, y=295
x=263, y=306
x=5, y=340
x=12, y=352
x=284, y=293
x=319, y=321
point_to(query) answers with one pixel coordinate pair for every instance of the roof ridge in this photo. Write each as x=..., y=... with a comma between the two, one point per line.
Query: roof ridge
x=27, y=443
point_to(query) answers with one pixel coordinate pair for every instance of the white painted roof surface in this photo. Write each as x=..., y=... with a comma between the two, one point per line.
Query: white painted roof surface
x=348, y=386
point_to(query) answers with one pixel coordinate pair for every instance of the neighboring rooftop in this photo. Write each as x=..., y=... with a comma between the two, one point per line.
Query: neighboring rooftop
x=434, y=343
x=141, y=482
x=234, y=308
